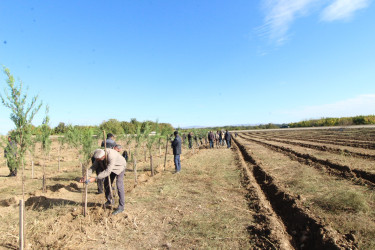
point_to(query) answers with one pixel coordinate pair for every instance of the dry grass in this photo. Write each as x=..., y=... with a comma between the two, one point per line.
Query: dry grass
x=202, y=207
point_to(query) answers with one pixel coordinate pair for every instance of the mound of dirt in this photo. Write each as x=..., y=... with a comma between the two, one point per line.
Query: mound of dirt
x=8, y=202
x=55, y=187
x=74, y=186
x=36, y=201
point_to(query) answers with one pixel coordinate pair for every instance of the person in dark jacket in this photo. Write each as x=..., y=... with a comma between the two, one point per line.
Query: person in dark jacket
x=176, y=145
x=190, y=139
x=227, y=138
x=220, y=138
x=211, y=138
x=110, y=142
x=10, y=153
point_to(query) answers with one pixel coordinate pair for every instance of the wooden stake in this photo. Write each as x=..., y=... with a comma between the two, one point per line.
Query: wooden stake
x=160, y=147
x=44, y=175
x=86, y=188
x=32, y=169
x=152, y=167
x=166, y=152
x=106, y=162
x=58, y=164
x=135, y=170
x=21, y=242
x=145, y=150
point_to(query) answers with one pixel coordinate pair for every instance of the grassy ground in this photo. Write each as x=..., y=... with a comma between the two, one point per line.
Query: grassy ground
x=204, y=206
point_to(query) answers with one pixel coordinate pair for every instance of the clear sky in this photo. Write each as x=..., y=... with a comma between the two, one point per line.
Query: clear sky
x=191, y=62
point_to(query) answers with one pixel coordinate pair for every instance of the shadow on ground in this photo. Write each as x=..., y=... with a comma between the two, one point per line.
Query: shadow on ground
x=44, y=203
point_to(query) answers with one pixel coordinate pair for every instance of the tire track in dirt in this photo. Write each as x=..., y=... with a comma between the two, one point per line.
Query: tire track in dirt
x=307, y=231
x=321, y=148
x=357, y=176
x=269, y=231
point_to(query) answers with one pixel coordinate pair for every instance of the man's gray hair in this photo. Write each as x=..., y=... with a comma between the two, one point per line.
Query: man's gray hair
x=99, y=153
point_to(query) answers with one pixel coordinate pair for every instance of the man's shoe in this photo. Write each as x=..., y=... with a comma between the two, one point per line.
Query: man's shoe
x=117, y=211
x=108, y=204
x=99, y=192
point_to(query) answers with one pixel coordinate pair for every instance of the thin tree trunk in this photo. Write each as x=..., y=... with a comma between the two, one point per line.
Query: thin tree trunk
x=21, y=233
x=145, y=150
x=86, y=188
x=23, y=205
x=166, y=152
x=135, y=169
x=58, y=165
x=44, y=175
x=152, y=166
x=32, y=169
x=159, y=147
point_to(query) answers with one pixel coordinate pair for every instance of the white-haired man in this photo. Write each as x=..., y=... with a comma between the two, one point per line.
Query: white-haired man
x=116, y=165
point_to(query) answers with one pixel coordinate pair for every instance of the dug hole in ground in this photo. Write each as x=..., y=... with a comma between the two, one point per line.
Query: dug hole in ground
x=204, y=206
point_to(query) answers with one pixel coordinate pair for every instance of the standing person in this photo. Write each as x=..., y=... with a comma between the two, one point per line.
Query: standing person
x=176, y=145
x=227, y=138
x=183, y=138
x=217, y=138
x=110, y=142
x=220, y=138
x=190, y=139
x=10, y=153
x=116, y=165
x=211, y=138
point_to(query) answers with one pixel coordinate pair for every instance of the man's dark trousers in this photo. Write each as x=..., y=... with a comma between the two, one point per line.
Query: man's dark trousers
x=177, y=163
x=120, y=188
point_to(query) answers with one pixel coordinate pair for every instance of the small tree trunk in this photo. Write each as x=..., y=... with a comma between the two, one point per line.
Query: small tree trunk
x=166, y=152
x=159, y=147
x=58, y=164
x=86, y=188
x=44, y=175
x=32, y=169
x=135, y=170
x=152, y=166
x=145, y=150
x=21, y=233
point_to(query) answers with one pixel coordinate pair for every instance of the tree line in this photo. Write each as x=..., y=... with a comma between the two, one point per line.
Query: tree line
x=112, y=126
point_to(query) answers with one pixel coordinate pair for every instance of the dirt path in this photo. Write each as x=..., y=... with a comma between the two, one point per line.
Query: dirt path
x=204, y=206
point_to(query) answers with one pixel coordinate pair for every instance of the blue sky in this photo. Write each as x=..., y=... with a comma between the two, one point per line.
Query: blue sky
x=191, y=62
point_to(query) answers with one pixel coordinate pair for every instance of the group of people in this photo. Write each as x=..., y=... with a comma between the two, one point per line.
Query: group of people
x=107, y=161
x=109, y=164
x=218, y=138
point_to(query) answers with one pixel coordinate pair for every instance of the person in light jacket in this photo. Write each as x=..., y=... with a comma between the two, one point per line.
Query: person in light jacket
x=116, y=165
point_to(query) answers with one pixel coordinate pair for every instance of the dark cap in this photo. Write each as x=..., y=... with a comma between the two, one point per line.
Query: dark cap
x=109, y=135
x=175, y=132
